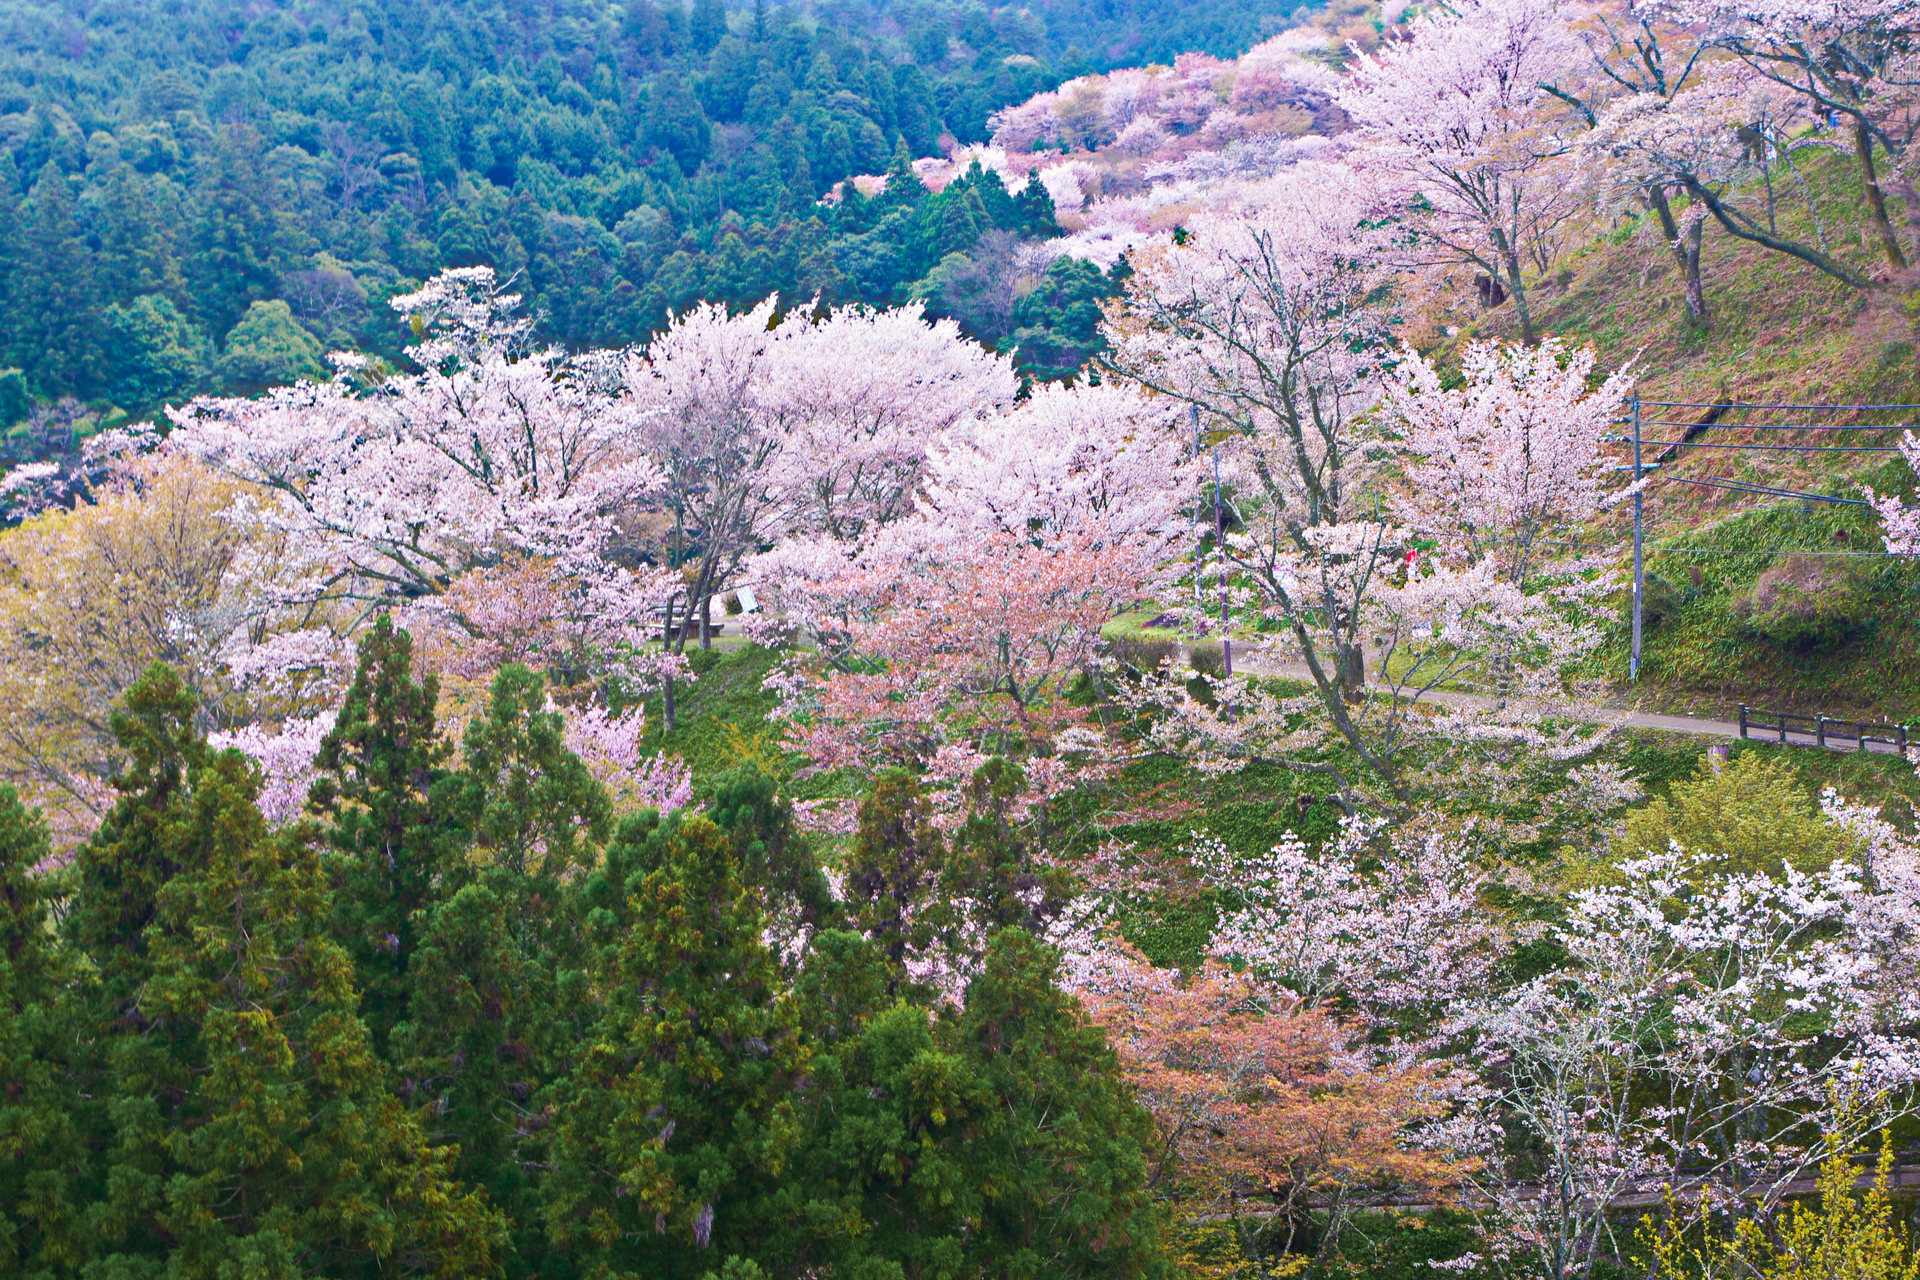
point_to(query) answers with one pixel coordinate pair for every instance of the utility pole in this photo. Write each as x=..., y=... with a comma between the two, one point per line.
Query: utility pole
x=1220, y=547
x=1639, y=575
x=1219, y=544
x=1199, y=592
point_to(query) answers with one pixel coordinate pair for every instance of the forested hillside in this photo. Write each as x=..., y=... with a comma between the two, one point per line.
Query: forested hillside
x=708, y=697
x=213, y=196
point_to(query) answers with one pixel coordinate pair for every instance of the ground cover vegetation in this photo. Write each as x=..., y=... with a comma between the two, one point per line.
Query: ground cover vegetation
x=804, y=791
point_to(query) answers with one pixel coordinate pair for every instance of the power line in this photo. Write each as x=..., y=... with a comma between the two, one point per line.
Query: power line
x=1782, y=448
x=1727, y=407
x=1770, y=491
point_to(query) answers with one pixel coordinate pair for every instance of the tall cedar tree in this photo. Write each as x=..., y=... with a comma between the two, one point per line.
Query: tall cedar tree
x=996, y=1141
x=498, y=946
x=676, y=1126
x=43, y=1160
x=993, y=861
x=255, y=1132
x=774, y=856
x=377, y=769
x=891, y=871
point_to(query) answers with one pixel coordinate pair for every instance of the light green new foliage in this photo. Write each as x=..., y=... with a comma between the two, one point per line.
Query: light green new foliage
x=1751, y=816
x=1845, y=1233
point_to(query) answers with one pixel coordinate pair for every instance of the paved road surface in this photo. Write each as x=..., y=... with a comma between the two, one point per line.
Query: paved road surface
x=1638, y=720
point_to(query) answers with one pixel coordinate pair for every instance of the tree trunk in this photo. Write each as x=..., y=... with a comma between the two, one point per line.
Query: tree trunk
x=1696, y=290
x=1686, y=252
x=1876, y=199
x=666, y=699
x=1517, y=286
x=706, y=621
x=1353, y=672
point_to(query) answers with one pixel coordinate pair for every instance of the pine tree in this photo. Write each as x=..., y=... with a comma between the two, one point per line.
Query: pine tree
x=1057, y=1164
x=904, y=188
x=229, y=264
x=256, y=1132
x=676, y=1123
x=135, y=256
x=953, y=223
x=1035, y=209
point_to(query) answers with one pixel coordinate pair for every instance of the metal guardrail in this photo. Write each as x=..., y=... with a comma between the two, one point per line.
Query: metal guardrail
x=1821, y=731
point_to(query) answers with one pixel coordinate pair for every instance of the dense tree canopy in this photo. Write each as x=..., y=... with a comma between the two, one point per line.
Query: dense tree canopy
x=214, y=200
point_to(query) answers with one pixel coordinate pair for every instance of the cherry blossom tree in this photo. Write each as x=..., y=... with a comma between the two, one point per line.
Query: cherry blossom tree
x=544, y=613
x=1711, y=1034
x=1456, y=118
x=1708, y=140
x=1852, y=62
x=966, y=652
x=609, y=744
x=1638, y=50
x=1267, y=320
x=1900, y=521
x=285, y=756
x=166, y=561
x=772, y=428
x=1506, y=468
x=1064, y=460
x=1410, y=935
x=1271, y=322
x=390, y=488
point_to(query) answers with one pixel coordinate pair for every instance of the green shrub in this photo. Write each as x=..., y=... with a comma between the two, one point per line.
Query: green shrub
x=1810, y=602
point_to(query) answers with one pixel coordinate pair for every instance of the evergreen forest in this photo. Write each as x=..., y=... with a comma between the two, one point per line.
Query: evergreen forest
x=210, y=196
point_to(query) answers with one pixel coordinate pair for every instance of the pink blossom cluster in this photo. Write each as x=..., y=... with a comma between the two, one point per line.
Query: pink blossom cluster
x=285, y=757
x=1412, y=933
x=609, y=744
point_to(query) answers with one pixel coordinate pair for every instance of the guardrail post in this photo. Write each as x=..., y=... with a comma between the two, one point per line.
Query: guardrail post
x=1783, y=727
x=1820, y=730
x=1902, y=733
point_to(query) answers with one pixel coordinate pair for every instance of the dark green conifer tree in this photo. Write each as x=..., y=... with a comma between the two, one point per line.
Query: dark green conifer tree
x=378, y=768
x=487, y=1026
x=893, y=870
x=255, y=1130
x=998, y=1141
x=774, y=856
x=46, y=1177
x=677, y=1122
x=992, y=859
x=11, y=332
x=56, y=305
